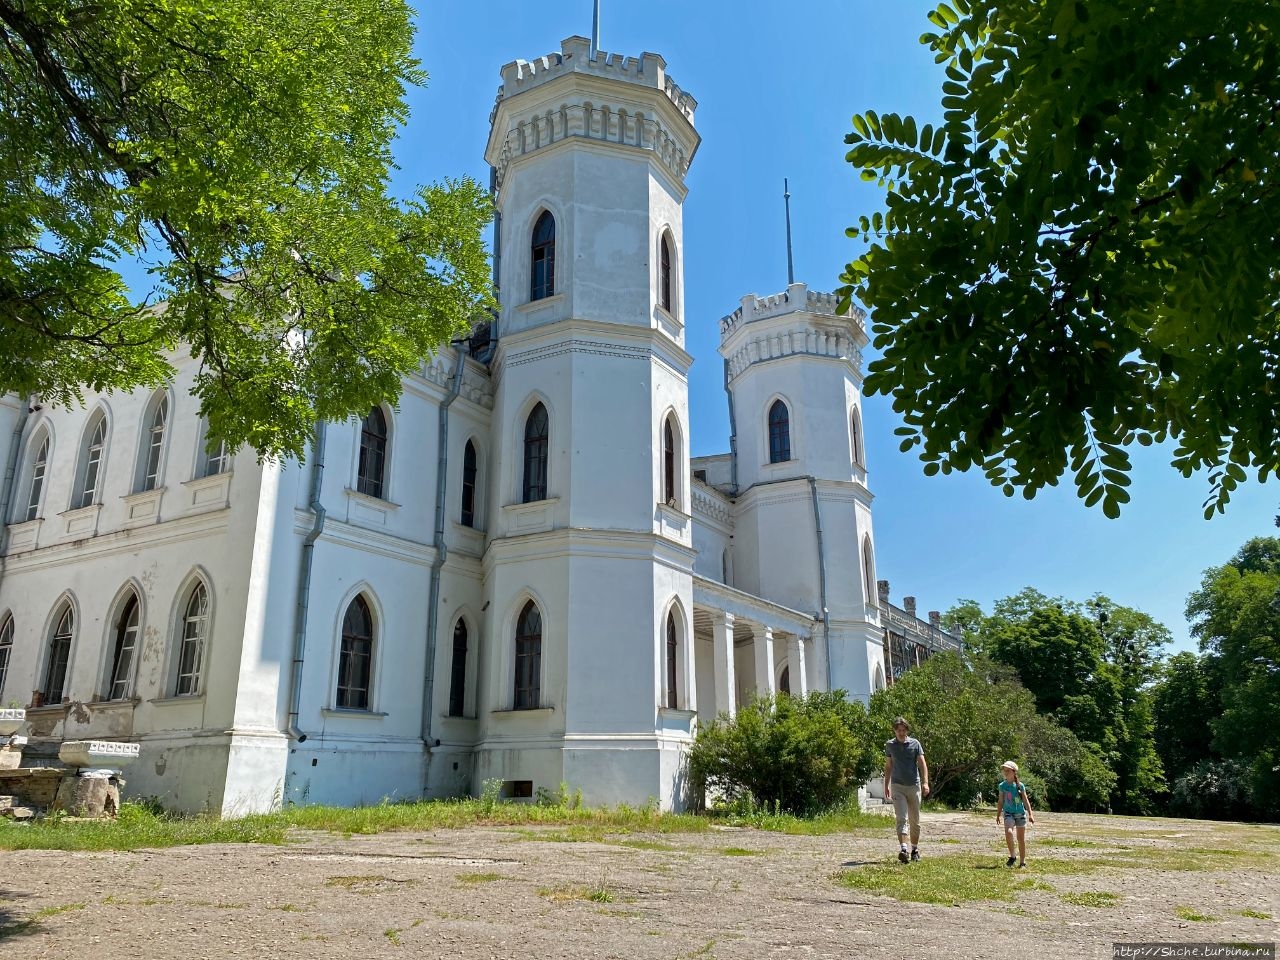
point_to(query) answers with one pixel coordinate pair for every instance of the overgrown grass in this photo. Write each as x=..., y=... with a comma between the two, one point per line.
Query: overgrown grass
x=1091, y=898
x=478, y=878
x=138, y=828
x=1192, y=914
x=1255, y=914
x=941, y=880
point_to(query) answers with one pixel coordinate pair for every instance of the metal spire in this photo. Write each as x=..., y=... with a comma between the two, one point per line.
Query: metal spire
x=786, y=196
x=595, y=31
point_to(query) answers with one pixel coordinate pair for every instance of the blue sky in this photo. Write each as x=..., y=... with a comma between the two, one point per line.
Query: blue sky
x=776, y=85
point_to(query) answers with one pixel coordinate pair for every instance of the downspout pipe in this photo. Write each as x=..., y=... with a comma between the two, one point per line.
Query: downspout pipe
x=304, y=583
x=442, y=552
x=733, y=431
x=10, y=476
x=822, y=576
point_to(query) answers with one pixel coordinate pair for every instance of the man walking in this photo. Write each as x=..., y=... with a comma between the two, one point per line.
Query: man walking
x=906, y=782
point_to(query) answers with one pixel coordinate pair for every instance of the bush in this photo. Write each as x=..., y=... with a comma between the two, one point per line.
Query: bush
x=1214, y=790
x=789, y=754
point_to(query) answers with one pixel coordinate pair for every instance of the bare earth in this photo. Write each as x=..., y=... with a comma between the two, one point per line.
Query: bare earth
x=518, y=892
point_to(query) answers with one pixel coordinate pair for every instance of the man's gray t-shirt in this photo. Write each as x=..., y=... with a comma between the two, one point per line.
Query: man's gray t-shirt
x=904, y=754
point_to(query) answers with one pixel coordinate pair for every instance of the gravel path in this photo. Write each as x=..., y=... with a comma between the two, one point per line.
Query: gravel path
x=481, y=893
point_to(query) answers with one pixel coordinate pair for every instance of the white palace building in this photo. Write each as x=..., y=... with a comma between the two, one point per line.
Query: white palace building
x=520, y=573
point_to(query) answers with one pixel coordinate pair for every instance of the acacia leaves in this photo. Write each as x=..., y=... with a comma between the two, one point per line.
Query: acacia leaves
x=1086, y=253
x=242, y=150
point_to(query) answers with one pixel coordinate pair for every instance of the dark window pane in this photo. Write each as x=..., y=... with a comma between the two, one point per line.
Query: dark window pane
x=664, y=275
x=126, y=643
x=55, y=676
x=458, y=674
x=373, y=453
x=469, y=485
x=542, y=274
x=673, y=649
x=528, y=673
x=779, y=433
x=191, y=648
x=6, y=647
x=535, y=455
x=355, y=660
x=668, y=463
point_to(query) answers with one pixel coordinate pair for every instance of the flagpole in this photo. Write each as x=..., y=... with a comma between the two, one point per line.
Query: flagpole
x=595, y=30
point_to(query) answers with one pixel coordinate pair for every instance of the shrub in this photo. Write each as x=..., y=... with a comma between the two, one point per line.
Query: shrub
x=791, y=754
x=1214, y=790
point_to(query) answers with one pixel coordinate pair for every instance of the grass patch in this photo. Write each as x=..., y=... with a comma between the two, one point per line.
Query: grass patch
x=392, y=934
x=740, y=852
x=600, y=893
x=138, y=828
x=1069, y=842
x=1192, y=914
x=54, y=911
x=1255, y=914
x=941, y=880
x=1091, y=898
x=475, y=878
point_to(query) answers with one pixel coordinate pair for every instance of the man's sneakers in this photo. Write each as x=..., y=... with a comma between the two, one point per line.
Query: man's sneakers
x=1011, y=861
x=902, y=855
x=915, y=855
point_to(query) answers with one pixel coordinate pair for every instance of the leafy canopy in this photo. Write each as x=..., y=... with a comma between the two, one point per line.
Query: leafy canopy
x=242, y=149
x=1084, y=254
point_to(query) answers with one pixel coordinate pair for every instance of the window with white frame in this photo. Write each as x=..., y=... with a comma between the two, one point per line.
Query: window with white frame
x=469, y=469
x=537, y=431
x=673, y=663
x=779, y=433
x=355, y=657
x=91, y=457
x=542, y=258
x=215, y=458
x=39, y=469
x=670, y=462
x=458, y=671
x=855, y=438
x=371, y=473
x=124, y=648
x=869, y=571
x=153, y=444
x=6, y=647
x=664, y=274
x=193, y=632
x=528, y=672
x=55, y=673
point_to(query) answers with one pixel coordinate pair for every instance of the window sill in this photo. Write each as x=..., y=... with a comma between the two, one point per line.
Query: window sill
x=368, y=511
x=143, y=507
x=174, y=701
x=534, y=517
x=47, y=710
x=25, y=535
x=531, y=305
x=120, y=703
x=535, y=713
x=672, y=521
x=82, y=521
x=368, y=498
x=208, y=493
x=676, y=713
x=351, y=714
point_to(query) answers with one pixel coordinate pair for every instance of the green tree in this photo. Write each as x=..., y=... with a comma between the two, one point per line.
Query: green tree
x=799, y=754
x=1082, y=255
x=242, y=149
x=1236, y=616
x=1186, y=699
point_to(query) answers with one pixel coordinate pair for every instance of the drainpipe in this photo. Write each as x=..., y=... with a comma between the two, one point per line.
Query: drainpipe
x=10, y=474
x=822, y=576
x=437, y=563
x=304, y=583
x=733, y=432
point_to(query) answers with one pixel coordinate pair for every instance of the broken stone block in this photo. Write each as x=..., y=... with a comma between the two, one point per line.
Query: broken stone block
x=89, y=795
x=11, y=752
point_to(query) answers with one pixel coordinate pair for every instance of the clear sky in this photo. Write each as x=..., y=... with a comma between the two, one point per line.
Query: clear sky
x=776, y=84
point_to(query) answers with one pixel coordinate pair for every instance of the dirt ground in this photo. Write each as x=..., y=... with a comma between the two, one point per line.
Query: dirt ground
x=729, y=893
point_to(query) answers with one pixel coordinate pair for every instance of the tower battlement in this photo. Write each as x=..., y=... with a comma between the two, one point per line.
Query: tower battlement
x=797, y=298
x=648, y=70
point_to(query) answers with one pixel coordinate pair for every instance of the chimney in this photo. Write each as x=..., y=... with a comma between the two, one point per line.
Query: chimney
x=882, y=587
x=909, y=605
x=935, y=619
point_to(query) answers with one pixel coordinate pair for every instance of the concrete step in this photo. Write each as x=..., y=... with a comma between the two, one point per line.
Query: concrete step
x=18, y=813
x=6, y=803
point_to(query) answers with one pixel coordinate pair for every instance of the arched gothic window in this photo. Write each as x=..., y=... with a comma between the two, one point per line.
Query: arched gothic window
x=669, y=459
x=39, y=467
x=91, y=463
x=673, y=663
x=373, y=454
x=458, y=671
x=784, y=681
x=355, y=659
x=664, y=273
x=153, y=445
x=542, y=273
x=123, y=649
x=779, y=433
x=6, y=647
x=193, y=630
x=528, y=673
x=469, y=486
x=869, y=572
x=536, y=430
x=855, y=436
x=55, y=674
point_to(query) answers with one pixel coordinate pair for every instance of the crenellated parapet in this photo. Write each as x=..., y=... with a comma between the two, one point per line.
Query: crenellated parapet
x=711, y=504
x=534, y=112
x=477, y=386
x=795, y=322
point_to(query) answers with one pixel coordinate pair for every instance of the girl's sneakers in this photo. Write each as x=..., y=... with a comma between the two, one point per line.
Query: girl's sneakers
x=1011, y=861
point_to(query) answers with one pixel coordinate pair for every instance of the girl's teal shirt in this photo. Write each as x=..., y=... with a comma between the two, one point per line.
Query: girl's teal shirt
x=1011, y=798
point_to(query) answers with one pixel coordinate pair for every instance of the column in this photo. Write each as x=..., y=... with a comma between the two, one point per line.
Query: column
x=722, y=662
x=796, y=666
x=764, y=661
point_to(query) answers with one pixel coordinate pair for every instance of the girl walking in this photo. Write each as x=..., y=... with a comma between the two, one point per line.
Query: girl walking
x=1015, y=810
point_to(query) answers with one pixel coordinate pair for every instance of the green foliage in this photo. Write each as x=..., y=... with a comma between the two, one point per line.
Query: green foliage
x=242, y=150
x=1082, y=255
x=1214, y=790
x=794, y=755
x=1185, y=698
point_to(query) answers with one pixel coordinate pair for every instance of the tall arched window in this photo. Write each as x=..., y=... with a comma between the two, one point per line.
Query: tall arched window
x=193, y=630
x=670, y=457
x=39, y=467
x=355, y=659
x=469, y=485
x=536, y=430
x=91, y=462
x=542, y=272
x=784, y=681
x=373, y=454
x=153, y=445
x=855, y=438
x=869, y=572
x=779, y=433
x=55, y=674
x=664, y=273
x=673, y=663
x=528, y=673
x=123, y=649
x=458, y=671
x=6, y=647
